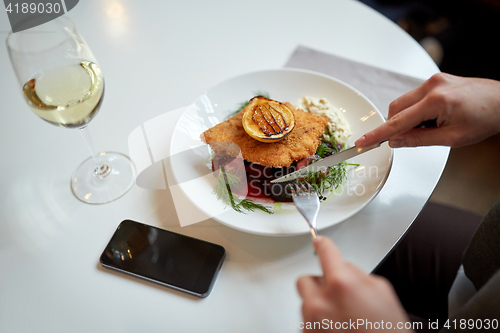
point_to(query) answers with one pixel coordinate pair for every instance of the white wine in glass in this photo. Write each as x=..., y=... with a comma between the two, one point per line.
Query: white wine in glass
x=67, y=94
x=63, y=85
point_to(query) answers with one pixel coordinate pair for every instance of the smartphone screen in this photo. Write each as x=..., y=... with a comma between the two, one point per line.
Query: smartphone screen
x=177, y=261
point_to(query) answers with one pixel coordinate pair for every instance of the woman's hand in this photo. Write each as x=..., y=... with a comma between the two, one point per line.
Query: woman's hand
x=467, y=111
x=345, y=294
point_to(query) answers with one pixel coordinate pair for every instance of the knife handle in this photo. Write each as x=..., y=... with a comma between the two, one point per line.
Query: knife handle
x=427, y=124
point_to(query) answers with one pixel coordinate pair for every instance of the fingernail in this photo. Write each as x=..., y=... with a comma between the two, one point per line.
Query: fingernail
x=317, y=239
x=396, y=143
x=360, y=141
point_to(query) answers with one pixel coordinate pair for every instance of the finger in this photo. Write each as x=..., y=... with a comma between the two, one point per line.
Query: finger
x=308, y=286
x=399, y=123
x=444, y=136
x=320, y=280
x=329, y=255
x=416, y=95
x=405, y=101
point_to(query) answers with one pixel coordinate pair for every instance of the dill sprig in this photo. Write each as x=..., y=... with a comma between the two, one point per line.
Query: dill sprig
x=222, y=190
x=324, y=150
x=325, y=182
x=243, y=105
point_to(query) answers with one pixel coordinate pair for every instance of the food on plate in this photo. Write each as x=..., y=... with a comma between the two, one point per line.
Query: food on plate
x=230, y=171
x=300, y=143
x=267, y=120
x=337, y=127
x=268, y=139
x=242, y=105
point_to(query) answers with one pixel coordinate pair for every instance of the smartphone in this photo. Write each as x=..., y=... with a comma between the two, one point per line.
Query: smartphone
x=168, y=258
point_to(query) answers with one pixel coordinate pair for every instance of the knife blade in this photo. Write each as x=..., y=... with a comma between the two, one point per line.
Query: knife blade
x=324, y=163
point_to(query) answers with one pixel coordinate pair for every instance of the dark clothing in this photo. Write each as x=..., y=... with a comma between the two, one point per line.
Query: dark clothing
x=481, y=262
x=482, y=257
x=423, y=266
x=485, y=305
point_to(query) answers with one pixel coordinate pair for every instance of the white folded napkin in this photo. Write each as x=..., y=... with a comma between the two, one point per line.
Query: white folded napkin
x=378, y=85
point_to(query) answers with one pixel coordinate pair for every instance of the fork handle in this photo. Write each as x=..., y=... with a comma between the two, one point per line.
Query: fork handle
x=314, y=232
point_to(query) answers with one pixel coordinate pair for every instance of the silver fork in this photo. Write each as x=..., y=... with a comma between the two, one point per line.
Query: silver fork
x=307, y=202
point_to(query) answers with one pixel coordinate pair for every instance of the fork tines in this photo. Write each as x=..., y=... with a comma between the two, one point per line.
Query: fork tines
x=301, y=189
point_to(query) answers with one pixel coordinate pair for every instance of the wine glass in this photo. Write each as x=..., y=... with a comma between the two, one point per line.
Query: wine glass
x=62, y=84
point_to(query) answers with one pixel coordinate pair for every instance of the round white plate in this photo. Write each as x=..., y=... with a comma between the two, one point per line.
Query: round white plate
x=190, y=155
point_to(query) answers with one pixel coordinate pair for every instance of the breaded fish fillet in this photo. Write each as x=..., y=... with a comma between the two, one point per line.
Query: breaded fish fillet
x=300, y=143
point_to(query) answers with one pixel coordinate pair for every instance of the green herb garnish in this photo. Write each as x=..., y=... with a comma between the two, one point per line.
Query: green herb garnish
x=222, y=190
x=243, y=105
x=325, y=183
x=323, y=150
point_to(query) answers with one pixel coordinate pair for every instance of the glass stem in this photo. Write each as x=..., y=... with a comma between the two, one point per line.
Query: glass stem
x=101, y=170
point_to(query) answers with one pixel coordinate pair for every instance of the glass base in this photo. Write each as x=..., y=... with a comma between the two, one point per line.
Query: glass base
x=98, y=186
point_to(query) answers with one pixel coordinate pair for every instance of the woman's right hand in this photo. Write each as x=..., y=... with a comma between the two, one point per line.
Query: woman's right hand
x=467, y=111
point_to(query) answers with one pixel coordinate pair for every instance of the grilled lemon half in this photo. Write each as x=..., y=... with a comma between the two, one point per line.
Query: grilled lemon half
x=267, y=120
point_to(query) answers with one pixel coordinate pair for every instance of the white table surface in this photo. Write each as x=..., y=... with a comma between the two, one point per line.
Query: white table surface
x=158, y=56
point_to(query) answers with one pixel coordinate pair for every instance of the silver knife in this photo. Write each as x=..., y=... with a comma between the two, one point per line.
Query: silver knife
x=344, y=155
x=324, y=163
